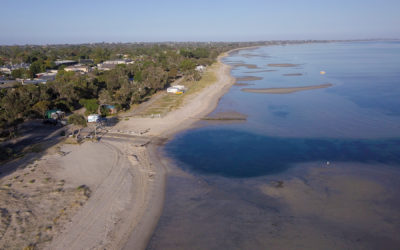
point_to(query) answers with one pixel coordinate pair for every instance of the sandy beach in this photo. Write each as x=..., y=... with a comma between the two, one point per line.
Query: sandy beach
x=126, y=175
x=106, y=194
x=194, y=108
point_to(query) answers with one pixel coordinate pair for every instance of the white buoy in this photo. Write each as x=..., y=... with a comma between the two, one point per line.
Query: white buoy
x=327, y=163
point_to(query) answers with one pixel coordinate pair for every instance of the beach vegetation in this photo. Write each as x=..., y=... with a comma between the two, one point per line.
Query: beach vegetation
x=154, y=67
x=77, y=119
x=171, y=102
x=91, y=105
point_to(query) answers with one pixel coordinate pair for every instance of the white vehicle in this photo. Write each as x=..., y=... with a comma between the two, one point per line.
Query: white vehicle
x=93, y=118
x=172, y=90
x=180, y=87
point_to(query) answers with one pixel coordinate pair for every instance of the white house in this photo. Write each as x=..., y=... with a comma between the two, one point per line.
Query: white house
x=200, y=68
x=110, y=64
x=5, y=70
x=78, y=68
x=49, y=75
x=119, y=61
x=93, y=118
x=176, y=89
x=180, y=87
x=172, y=90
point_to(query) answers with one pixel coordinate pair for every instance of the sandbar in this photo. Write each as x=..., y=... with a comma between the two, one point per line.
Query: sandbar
x=226, y=117
x=243, y=84
x=285, y=90
x=249, y=66
x=248, y=78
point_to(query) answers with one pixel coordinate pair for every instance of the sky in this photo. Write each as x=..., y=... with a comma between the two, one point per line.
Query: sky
x=87, y=21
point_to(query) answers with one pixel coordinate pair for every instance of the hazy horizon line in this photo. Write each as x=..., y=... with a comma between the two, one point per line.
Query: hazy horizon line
x=197, y=41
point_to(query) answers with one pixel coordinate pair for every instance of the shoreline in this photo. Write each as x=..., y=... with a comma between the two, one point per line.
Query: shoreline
x=125, y=172
x=183, y=118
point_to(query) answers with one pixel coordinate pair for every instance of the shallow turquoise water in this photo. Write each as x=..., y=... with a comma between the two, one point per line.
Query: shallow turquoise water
x=355, y=120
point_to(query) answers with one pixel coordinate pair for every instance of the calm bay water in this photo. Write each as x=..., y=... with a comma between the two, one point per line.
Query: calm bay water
x=355, y=120
x=265, y=183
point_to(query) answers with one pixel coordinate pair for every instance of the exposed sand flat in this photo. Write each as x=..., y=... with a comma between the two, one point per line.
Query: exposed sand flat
x=285, y=90
x=243, y=84
x=261, y=71
x=249, y=55
x=293, y=74
x=226, y=117
x=248, y=78
x=249, y=66
x=283, y=65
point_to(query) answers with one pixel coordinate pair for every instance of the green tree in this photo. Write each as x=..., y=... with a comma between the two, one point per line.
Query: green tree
x=91, y=105
x=49, y=64
x=187, y=65
x=201, y=53
x=77, y=120
x=12, y=110
x=19, y=73
x=41, y=107
x=35, y=68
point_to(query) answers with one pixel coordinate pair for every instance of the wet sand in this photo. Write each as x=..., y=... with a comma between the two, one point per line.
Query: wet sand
x=243, y=84
x=249, y=55
x=248, y=78
x=225, y=117
x=285, y=90
x=249, y=66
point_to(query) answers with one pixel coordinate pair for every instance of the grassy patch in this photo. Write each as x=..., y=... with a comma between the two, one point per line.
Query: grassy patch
x=170, y=102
